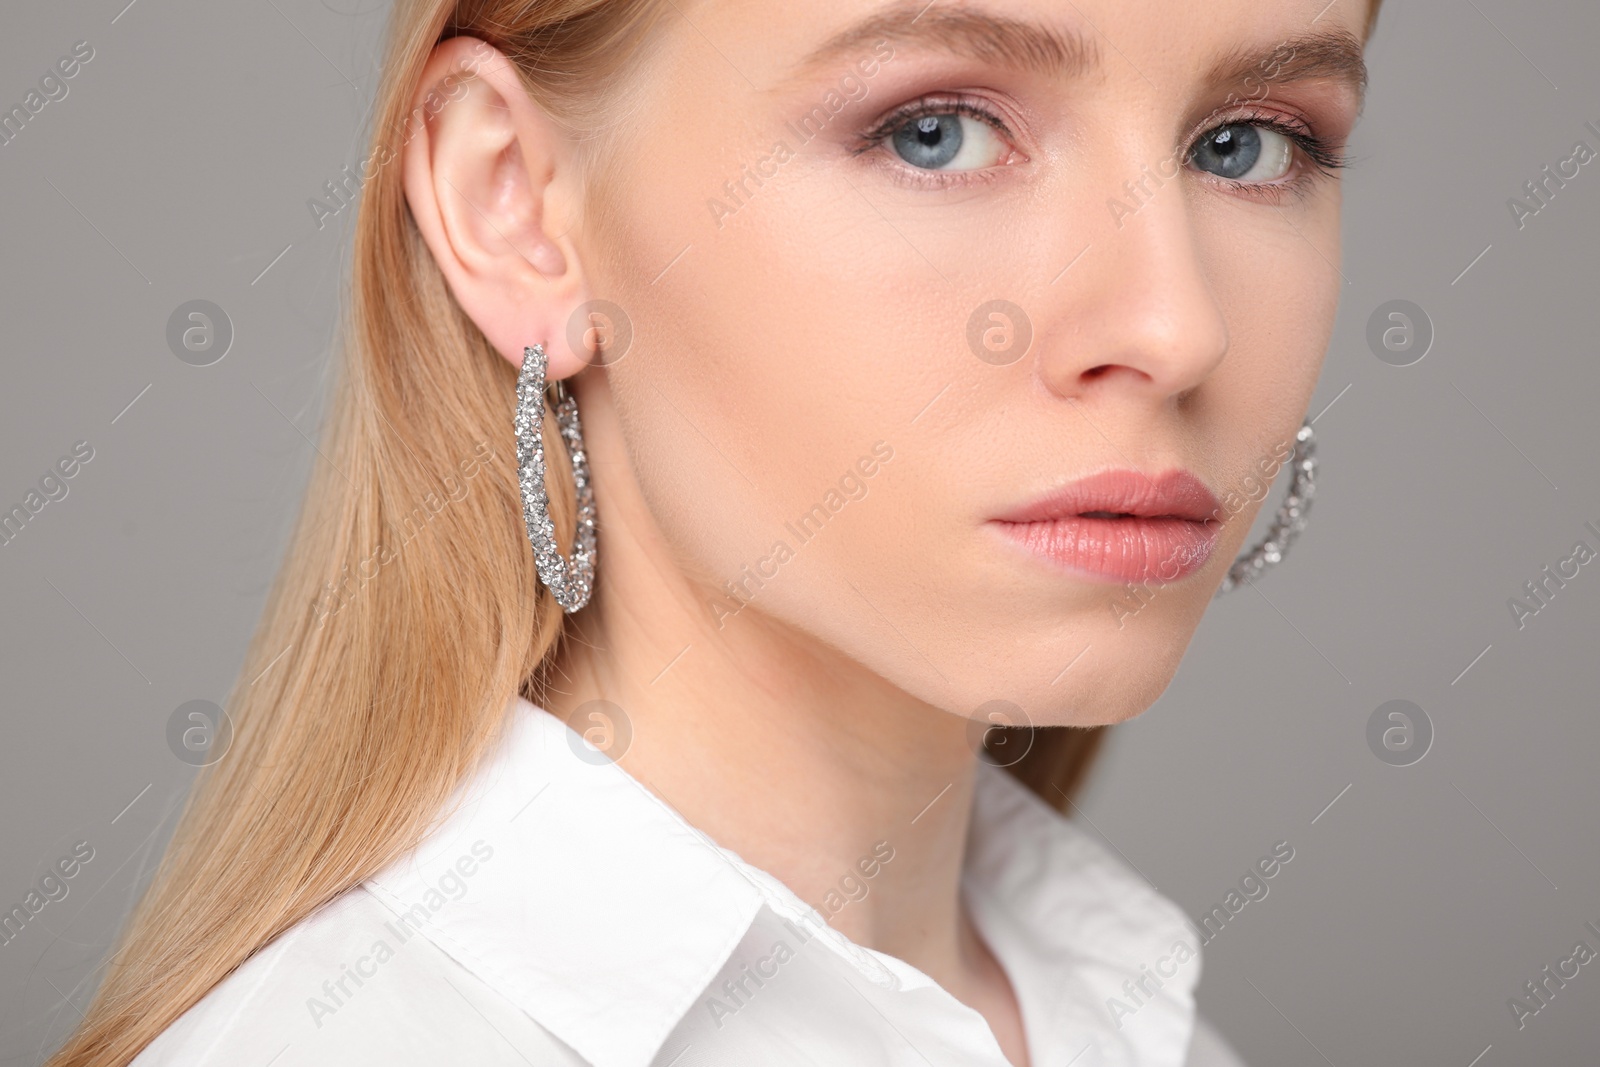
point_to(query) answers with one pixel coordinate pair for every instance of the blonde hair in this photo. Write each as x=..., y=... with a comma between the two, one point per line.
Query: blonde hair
x=383, y=662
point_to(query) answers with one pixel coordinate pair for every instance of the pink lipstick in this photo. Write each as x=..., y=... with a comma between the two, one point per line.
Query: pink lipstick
x=1121, y=526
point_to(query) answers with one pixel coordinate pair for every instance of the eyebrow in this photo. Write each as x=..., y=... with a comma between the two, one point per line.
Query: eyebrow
x=1061, y=53
x=975, y=35
x=1333, y=54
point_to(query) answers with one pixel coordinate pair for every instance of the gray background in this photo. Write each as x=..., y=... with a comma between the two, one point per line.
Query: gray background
x=178, y=168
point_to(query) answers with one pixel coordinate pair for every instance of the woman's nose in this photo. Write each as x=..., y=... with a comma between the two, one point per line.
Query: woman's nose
x=1144, y=316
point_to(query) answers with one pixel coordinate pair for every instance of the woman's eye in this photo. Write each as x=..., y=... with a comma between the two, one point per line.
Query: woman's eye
x=948, y=141
x=1244, y=152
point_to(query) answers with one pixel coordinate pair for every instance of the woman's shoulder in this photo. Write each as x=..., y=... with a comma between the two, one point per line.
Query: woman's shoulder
x=353, y=985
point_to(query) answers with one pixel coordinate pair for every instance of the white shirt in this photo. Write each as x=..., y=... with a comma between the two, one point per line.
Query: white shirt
x=562, y=914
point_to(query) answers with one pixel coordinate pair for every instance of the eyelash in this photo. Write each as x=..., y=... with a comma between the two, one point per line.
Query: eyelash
x=1324, y=158
x=916, y=109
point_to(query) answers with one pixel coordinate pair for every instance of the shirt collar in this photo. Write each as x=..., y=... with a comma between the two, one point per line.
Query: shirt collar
x=602, y=914
x=1076, y=925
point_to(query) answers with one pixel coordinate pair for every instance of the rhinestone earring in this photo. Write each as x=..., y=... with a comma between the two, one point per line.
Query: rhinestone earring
x=570, y=580
x=1290, y=521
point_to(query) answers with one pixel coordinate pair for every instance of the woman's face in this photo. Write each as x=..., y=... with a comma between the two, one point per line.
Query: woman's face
x=897, y=274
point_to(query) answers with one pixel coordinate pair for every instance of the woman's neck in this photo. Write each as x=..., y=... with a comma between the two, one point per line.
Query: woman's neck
x=837, y=783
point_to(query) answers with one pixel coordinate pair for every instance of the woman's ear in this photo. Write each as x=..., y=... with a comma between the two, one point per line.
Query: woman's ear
x=488, y=180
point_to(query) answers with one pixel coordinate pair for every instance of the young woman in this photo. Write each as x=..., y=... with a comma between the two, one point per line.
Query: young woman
x=922, y=367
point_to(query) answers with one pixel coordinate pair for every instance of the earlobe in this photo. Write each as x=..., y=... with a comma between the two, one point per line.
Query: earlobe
x=480, y=174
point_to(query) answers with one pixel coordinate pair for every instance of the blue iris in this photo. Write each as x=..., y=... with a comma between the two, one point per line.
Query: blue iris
x=1228, y=151
x=929, y=141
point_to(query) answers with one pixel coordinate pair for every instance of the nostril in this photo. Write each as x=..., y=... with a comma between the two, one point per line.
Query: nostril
x=1105, y=370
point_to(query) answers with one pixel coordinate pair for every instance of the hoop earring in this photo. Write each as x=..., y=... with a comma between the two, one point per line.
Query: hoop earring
x=569, y=580
x=1290, y=521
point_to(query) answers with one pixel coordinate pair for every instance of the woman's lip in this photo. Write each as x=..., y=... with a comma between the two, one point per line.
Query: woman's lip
x=1120, y=550
x=1121, y=526
x=1173, y=494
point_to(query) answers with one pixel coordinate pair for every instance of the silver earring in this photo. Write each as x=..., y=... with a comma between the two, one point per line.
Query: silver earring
x=1290, y=521
x=570, y=580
